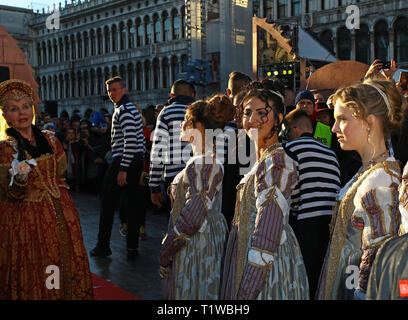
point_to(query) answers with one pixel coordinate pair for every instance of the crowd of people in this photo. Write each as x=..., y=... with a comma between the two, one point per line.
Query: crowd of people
x=270, y=194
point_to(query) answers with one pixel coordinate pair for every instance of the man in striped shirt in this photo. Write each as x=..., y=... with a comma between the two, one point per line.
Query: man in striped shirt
x=123, y=174
x=169, y=155
x=314, y=196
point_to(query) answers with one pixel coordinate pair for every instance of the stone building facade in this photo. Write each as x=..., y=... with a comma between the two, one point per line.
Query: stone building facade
x=142, y=41
x=77, y=45
x=383, y=32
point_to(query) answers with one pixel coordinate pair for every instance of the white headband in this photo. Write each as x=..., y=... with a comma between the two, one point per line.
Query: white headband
x=387, y=102
x=279, y=95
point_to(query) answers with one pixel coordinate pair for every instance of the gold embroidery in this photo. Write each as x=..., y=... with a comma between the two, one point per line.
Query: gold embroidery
x=246, y=197
x=341, y=220
x=64, y=239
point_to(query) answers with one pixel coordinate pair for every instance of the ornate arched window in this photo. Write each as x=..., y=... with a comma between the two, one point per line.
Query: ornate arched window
x=114, y=38
x=343, y=44
x=157, y=28
x=174, y=68
x=73, y=48
x=79, y=44
x=122, y=36
x=401, y=39
x=363, y=53
x=166, y=26
x=130, y=77
x=100, y=83
x=67, y=51
x=183, y=22
x=147, y=77
x=61, y=49
x=86, y=45
x=131, y=33
x=93, y=43
x=107, y=39
x=139, y=32
x=139, y=73
x=326, y=39
x=79, y=84
x=175, y=17
x=381, y=41
x=156, y=73
x=148, y=30
x=99, y=36
x=166, y=73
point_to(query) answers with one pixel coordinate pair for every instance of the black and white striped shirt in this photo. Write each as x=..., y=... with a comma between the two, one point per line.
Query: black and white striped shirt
x=169, y=155
x=226, y=143
x=127, y=133
x=319, y=177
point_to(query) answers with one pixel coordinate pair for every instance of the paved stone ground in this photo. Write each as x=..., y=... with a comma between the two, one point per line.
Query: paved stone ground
x=137, y=275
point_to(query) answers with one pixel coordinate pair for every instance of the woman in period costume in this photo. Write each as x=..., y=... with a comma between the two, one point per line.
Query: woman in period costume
x=192, y=251
x=42, y=255
x=389, y=274
x=263, y=260
x=366, y=214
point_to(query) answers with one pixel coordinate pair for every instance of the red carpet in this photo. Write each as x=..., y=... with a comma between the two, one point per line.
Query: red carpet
x=105, y=290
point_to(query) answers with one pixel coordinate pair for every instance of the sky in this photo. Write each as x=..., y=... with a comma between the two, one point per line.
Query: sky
x=30, y=4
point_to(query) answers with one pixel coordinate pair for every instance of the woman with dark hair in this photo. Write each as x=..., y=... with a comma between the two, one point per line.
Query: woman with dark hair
x=263, y=259
x=192, y=251
x=42, y=254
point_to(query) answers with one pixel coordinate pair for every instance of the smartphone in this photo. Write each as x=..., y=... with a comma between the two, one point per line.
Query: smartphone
x=403, y=80
x=386, y=64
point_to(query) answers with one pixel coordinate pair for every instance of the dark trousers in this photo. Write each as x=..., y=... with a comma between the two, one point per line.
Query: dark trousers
x=111, y=193
x=313, y=237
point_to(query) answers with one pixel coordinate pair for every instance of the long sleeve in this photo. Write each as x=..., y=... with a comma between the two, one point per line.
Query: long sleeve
x=158, y=152
x=403, y=201
x=376, y=214
x=18, y=189
x=62, y=163
x=204, y=182
x=272, y=178
x=132, y=128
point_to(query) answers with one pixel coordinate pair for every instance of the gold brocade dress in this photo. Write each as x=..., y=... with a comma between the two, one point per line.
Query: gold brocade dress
x=196, y=266
x=42, y=255
x=365, y=218
x=263, y=260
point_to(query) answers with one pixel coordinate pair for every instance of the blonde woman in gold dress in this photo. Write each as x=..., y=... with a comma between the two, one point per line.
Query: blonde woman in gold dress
x=367, y=212
x=42, y=255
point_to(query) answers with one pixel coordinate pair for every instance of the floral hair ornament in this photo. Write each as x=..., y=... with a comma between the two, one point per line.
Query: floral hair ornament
x=21, y=168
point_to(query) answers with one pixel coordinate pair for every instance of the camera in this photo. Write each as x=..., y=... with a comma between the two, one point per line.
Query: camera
x=386, y=64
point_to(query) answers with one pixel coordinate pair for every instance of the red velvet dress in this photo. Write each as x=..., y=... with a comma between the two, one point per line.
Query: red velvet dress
x=42, y=254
